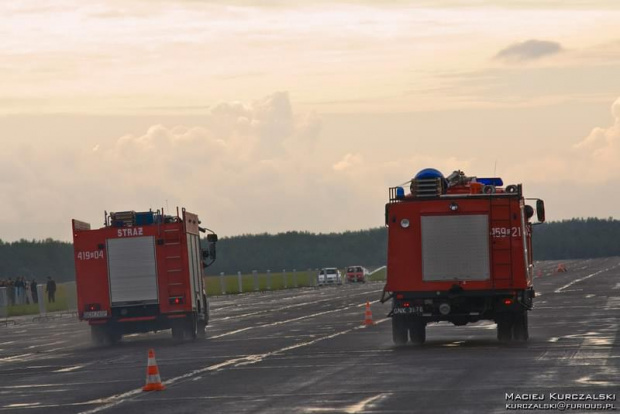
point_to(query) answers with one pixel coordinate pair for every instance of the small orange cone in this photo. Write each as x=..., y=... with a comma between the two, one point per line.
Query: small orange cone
x=368, y=315
x=153, y=381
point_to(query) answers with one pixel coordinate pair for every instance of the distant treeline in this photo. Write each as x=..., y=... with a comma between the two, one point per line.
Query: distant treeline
x=37, y=259
x=568, y=239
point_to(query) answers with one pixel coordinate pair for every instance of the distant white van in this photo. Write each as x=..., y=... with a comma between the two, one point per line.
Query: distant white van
x=329, y=276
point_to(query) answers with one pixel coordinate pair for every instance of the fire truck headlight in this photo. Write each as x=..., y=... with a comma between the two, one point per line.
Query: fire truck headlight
x=454, y=206
x=404, y=223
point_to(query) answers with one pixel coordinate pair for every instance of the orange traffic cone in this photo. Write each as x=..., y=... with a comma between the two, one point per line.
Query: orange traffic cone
x=153, y=381
x=368, y=315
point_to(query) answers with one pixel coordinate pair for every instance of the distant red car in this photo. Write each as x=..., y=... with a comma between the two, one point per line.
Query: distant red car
x=356, y=274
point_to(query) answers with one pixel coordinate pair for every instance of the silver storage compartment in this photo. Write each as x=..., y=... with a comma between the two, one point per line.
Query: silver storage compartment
x=455, y=247
x=132, y=270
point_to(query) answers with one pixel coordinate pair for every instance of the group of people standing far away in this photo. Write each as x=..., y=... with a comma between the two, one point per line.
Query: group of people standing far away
x=23, y=292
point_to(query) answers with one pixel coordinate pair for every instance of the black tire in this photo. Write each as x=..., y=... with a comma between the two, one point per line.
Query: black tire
x=207, y=309
x=417, y=332
x=98, y=335
x=191, y=328
x=114, y=337
x=520, y=331
x=399, y=331
x=102, y=335
x=504, y=330
x=177, y=331
x=202, y=329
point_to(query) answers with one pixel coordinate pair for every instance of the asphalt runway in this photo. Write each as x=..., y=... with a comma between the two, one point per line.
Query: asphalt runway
x=306, y=351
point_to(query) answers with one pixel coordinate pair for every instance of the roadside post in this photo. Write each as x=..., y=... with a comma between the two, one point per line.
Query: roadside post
x=239, y=282
x=42, y=299
x=71, y=291
x=284, y=278
x=268, y=279
x=4, y=307
x=222, y=283
x=255, y=274
x=42, y=305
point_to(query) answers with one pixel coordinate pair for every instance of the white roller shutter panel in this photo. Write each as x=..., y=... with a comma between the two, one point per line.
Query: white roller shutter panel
x=132, y=270
x=455, y=248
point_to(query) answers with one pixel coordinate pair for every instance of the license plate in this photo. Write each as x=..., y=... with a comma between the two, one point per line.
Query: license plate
x=95, y=314
x=412, y=309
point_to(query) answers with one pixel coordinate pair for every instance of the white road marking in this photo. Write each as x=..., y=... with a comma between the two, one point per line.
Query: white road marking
x=21, y=357
x=361, y=406
x=290, y=320
x=69, y=369
x=296, y=305
x=351, y=409
x=560, y=289
x=115, y=400
x=23, y=405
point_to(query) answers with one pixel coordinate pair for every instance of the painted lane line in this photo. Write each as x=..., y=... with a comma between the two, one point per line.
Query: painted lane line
x=21, y=357
x=290, y=306
x=560, y=289
x=361, y=406
x=115, y=400
x=289, y=320
x=69, y=369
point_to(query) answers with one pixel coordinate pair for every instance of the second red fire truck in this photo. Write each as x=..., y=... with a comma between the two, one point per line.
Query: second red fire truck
x=141, y=272
x=459, y=250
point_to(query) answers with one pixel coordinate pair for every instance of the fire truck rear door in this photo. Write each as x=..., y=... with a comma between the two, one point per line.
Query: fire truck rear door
x=132, y=270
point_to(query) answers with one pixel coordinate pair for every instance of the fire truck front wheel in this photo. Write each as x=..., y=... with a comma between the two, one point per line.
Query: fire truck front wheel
x=399, y=330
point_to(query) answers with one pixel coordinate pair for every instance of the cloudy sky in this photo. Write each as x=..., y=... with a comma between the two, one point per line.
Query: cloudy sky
x=299, y=117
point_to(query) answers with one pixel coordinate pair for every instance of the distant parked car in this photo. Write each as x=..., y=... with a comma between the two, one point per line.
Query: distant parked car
x=356, y=274
x=329, y=276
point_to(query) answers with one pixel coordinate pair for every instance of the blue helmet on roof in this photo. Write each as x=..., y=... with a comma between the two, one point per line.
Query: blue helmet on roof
x=429, y=173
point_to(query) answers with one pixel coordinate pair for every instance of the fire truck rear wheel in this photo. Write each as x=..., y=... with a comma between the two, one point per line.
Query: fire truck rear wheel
x=97, y=334
x=504, y=330
x=177, y=332
x=202, y=329
x=417, y=332
x=104, y=335
x=520, y=330
x=399, y=330
x=191, y=328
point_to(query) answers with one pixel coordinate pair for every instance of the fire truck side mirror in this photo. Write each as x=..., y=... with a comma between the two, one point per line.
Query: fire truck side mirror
x=540, y=210
x=212, y=238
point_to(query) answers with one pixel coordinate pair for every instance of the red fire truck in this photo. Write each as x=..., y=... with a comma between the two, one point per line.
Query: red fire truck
x=142, y=272
x=459, y=250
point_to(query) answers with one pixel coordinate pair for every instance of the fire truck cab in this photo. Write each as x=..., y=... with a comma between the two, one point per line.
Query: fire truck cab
x=142, y=272
x=459, y=250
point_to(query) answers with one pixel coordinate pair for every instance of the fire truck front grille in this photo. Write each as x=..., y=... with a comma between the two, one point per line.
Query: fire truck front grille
x=455, y=247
